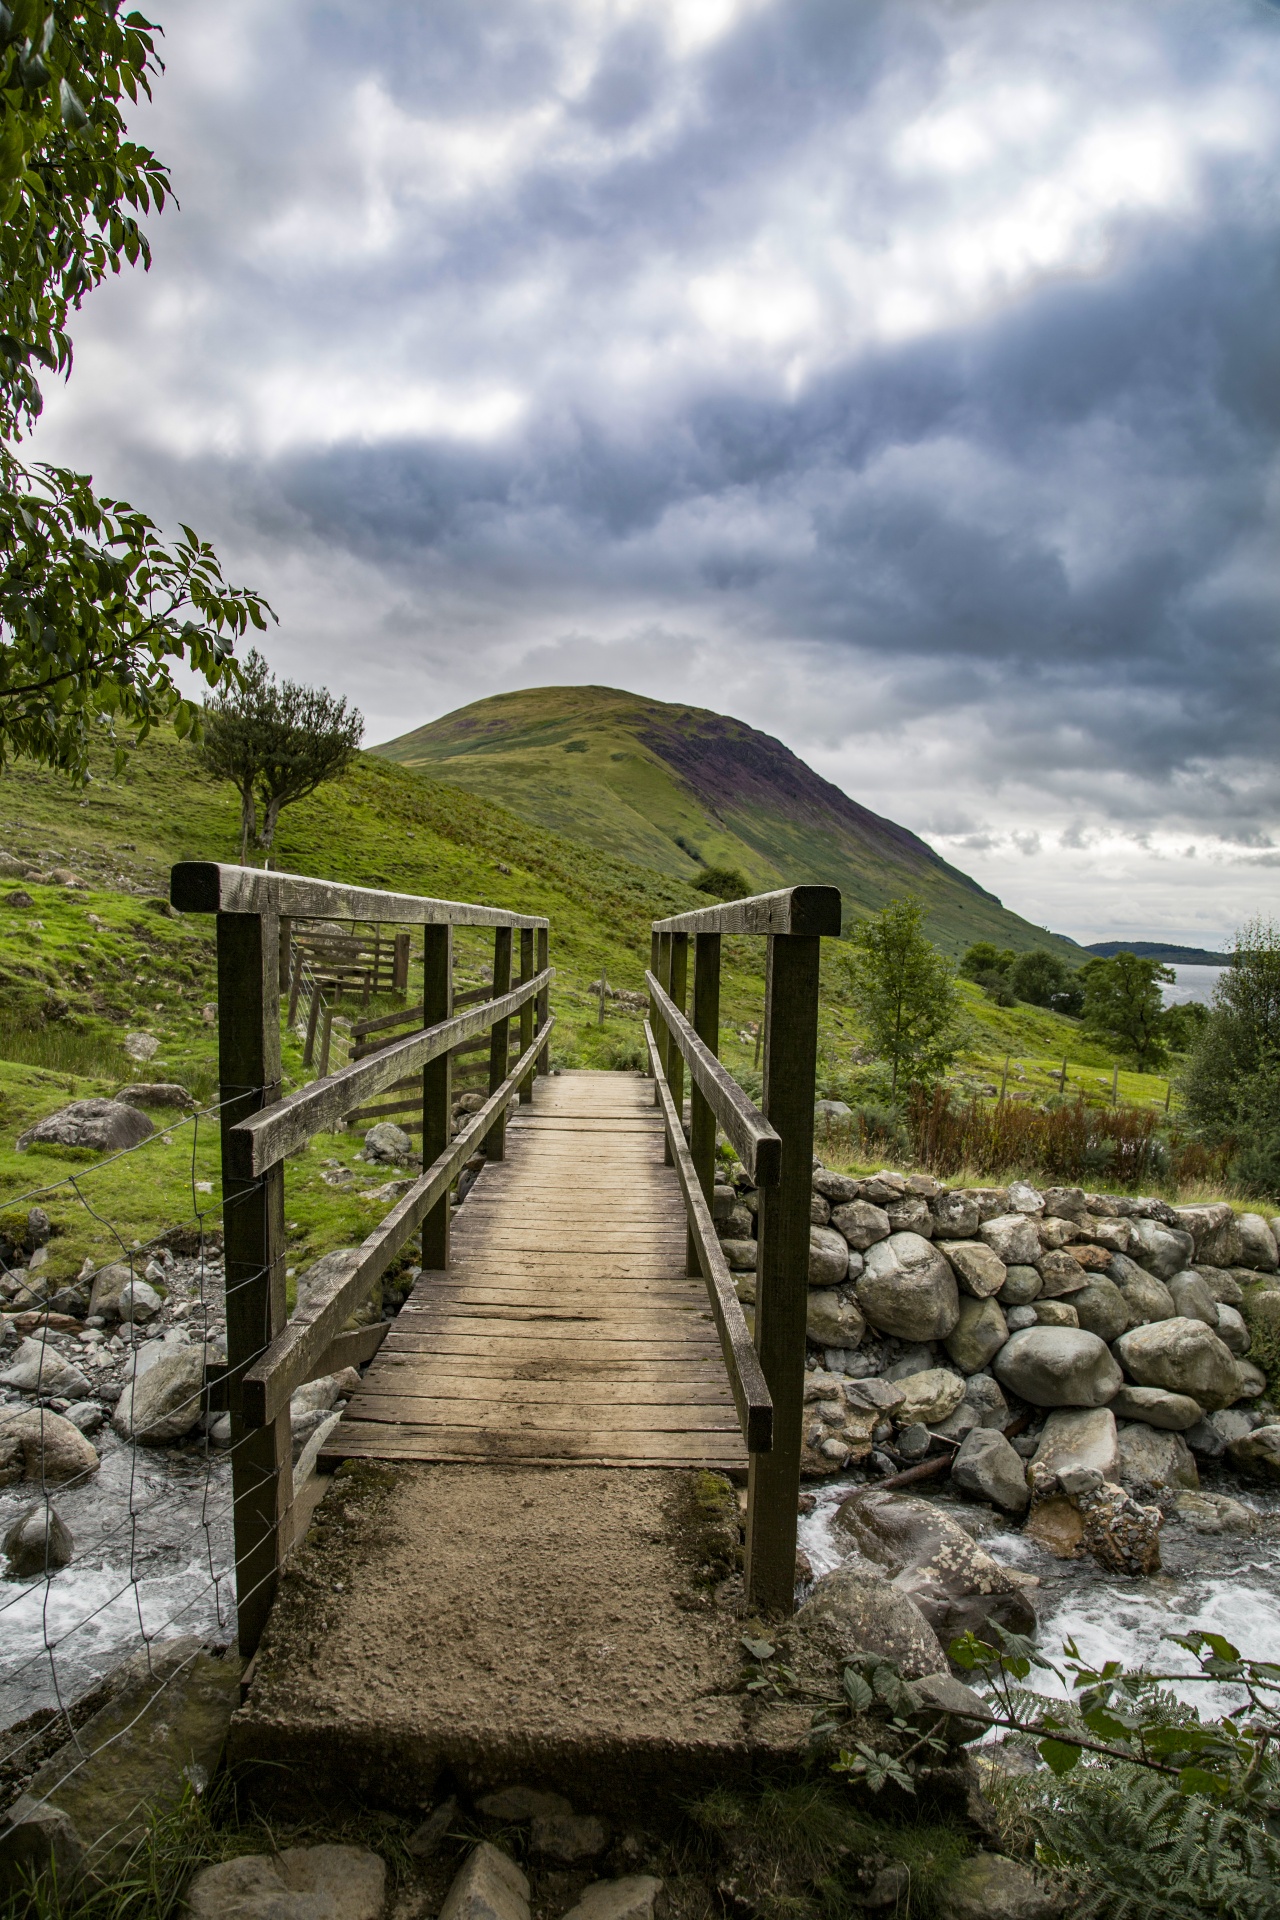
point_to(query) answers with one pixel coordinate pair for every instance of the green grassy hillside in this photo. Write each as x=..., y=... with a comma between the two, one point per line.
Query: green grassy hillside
x=677, y=788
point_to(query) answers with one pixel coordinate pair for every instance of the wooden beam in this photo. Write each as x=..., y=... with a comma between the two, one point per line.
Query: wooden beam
x=758, y=1145
x=746, y=1378
x=526, y=1011
x=204, y=886
x=270, y=1135
x=268, y=1384
x=782, y=1265
x=254, y=1252
x=706, y=1024
x=799, y=910
x=351, y=1349
x=500, y=1037
x=436, y=1091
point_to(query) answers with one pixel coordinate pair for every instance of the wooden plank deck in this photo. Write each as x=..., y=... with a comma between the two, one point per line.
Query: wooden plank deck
x=566, y=1329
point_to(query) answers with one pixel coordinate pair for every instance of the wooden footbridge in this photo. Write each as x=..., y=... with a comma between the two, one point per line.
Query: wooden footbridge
x=576, y=1310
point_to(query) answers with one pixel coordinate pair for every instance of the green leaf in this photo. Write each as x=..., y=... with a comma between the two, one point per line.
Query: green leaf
x=1059, y=1756
x=759, y=1649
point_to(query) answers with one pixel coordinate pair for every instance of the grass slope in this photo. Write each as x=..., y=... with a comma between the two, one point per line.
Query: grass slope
x=79, y=969
x=675, y=787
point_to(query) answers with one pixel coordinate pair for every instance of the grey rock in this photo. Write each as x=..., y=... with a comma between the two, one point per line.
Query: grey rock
x=831, y=1320
x=987, y=1466
x=1060, y=1276
x=38, y=1367
x=1232, y=1331
x=164, y=1402
x=1183, y=1356
x=987, y=1886
x=1058, y=1367
x=828, y=1257
x=1076, y=1438
x=1257, y=1454
x=1225, y=1288
x=984, y=1396
x=914, y=1440
x=836, y=1188
x=37, y=1542
x=630, y=1898
x=1192, y=1298
x=426, y=1840
x=388, y=1144
x=978, y=1270
x=155, y=1093
x=1055, y=1313
x=86, y=1416
x=740, y=1255
x=1155, y=1462
x=881, y=1396
x=915, y=1359
x=1257, y=1244
x=736, y=1224
x=1024, y=1198
x=958, y=1425
x=108, y=1288
x=967, y=1716
x=36, y=1837
x=1251, y=1381
x=861, y=1224
x=1018, y=1318
x=956, y=1585
x=911, y=1215
x=1145, y=1297
x=299, y=1883
x=908, y=1289
x=108, y=1126
x=1172, y=1412
x=38, y=1444
x=316, y=1396
x=1012, y=1237
x=852, y=1612
x=568, y=1837
x=1164, y=1251
x=979, y=1333
x=884, y=1188
x=1214, y=1233
x=522, y=1803
x=929, y=1396
x=488, y=1886
x=819, y=1211
x=1065, y=1203
x=955, y=1215
x=1021, y=1286
x=1215, y=1513
x=139, y=1303
x=1101, y=1307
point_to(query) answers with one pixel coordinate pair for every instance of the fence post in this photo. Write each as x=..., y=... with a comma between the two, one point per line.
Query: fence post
x=496, y=1140
x=295, y=985
x=313, y=1016
x=437, y=1085
x=678, y=989
x=400, y=964
x=326, y=1034
x=782, y=1278
x=706, y=1024
x=544, y=996
x=663, y=971
x=254, y=1253
x=526, y=1011
x=286, y=945
x=655, y=968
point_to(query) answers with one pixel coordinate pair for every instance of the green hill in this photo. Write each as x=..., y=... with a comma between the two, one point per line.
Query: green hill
x=679, y=788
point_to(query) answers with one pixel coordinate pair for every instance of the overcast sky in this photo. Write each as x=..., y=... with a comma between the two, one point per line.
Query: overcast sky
x=901, y=378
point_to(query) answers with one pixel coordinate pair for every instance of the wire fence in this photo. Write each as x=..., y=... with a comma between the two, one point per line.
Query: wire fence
x=157, y=1523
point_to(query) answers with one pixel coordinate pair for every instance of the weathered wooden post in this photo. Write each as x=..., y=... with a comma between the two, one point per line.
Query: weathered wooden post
x=782, y=1263
x=400, y=964
x=313, y=1018
x=526, y=1011
x=544, y=994
x=437, y=1086
x=665, y=1049
x=248, y=946
x=706, y=1024
x=495, y=1144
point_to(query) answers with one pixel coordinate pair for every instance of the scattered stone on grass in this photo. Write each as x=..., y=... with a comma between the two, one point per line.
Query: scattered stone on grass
x=299, y=1883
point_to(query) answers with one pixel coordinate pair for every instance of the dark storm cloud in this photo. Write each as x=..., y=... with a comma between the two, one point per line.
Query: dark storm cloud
x=917, y=362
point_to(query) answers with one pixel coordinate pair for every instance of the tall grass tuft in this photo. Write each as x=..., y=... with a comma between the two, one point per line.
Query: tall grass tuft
x=65, y=1049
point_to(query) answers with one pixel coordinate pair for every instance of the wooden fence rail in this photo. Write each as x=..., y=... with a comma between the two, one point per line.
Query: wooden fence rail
x=268, y=1354
x=777, y=1142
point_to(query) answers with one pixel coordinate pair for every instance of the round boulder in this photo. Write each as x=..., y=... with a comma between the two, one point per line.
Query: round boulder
x=861, y=1224
x=1192, y=1298
x=980, y=1332
x=1173, y=1412
x=1183, y=1356
x=929, y=1396
x=1257, y=1454
x=978, y=1270
x=39, y=1541
x=1145, y=1297
x=828, y=1257
x=1155, y=1462
x=1012, y=1237
x=39, y=1444
x=1058, y=1367
x=832, y=1321
x=907, y=1289
x=1101, y=1307
x=850, y=1613
x=1021, y=1286
x=108, y=1126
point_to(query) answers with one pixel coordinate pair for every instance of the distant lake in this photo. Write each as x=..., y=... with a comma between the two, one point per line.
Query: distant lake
x=1192, y=983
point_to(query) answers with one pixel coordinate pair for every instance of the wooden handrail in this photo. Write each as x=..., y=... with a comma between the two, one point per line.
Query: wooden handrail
x=810, y=910
x=265, y=1139
x=268, y=1384
x=205, y=886
x=746, y=1379
x=758, y=1145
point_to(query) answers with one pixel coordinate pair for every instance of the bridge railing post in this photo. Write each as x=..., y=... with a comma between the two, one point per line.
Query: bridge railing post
x=526, y=1011
x=249, y=1068
x=706, y=1024
x=782, y=1264
x=437, y=1086
x=495, y=1145
x=542, y=941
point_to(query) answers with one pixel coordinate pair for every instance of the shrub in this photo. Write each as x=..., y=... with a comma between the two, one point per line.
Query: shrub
x=723, y=883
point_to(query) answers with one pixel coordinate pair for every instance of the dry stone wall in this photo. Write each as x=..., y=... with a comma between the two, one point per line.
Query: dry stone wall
x=1107, y=1326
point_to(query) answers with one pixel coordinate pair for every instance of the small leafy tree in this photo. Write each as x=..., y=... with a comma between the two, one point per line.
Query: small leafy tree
x=723, y=883
x=1043, y=979
x=1232, y=1084
x=1123, y=1005
x=95, y=608
x=276, y=742
x=905, y=991
x=985, y=957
